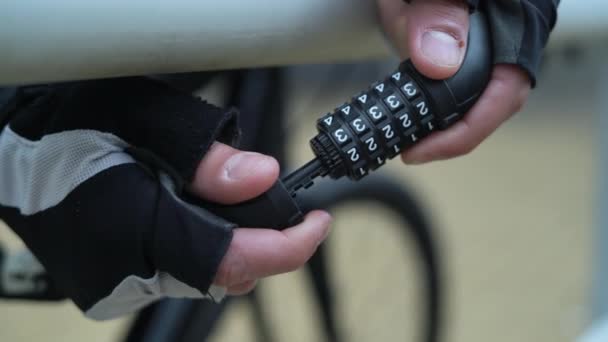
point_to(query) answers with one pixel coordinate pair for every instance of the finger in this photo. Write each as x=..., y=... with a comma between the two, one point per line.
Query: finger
x=437, y=33
x=505, y=95
x=227, y=175
x=258, y=253
x=242, y=288
x=393, y=16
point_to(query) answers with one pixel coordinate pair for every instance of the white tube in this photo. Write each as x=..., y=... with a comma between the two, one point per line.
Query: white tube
x=52, y=40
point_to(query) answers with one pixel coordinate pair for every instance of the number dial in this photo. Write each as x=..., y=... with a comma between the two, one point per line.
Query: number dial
x=379, y=123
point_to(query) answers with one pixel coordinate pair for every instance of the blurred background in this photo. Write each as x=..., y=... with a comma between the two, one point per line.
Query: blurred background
x=516, y=222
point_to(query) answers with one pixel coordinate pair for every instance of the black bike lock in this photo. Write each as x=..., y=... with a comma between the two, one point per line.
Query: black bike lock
x=378, y=124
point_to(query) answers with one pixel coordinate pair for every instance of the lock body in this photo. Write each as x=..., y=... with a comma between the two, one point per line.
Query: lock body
x=376, y=125
x=397, y=112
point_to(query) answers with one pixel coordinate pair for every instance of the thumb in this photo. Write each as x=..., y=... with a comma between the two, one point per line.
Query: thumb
x=258, y=253
x=227, y=175
x=437, y=36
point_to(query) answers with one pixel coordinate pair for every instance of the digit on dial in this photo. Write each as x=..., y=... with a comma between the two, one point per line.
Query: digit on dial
x=341, y=135
x=389, y=133
x=353, y=154
x=371, y=144
x=359, y=125
x=410, y=90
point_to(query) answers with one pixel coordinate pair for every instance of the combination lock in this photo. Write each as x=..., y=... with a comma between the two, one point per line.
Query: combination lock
x=376, y=125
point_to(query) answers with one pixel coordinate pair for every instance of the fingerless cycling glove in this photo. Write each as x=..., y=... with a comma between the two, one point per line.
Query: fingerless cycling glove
x=90, y=180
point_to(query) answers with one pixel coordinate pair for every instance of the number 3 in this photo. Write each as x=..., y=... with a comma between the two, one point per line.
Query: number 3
x=393, y=101
x=409, y=89
x=341, y=135
x=376, y=113
x=359, y=125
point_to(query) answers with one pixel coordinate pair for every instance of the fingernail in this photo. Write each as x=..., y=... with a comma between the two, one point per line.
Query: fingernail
x=243, y=164
x=442, y=48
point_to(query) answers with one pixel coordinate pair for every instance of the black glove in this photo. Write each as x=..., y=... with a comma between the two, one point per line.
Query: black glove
x=91, y=173
x=520, y=30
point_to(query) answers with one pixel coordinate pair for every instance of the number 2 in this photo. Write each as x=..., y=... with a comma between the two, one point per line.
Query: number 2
x=354, y=156
x=405, y=120
x=422, y=108
x=388, y=132
x=371, y=144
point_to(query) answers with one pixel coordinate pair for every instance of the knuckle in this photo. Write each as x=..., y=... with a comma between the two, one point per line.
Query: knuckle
x=468, y=149
x=224, y=274
x=457, y=150
x=233, y=269
x=242, y=289
x=297, y=259
x=250, y=287
x=464, y=146
x=452, y=11
x=520, y=100
x=510, y=79
x=517, y=106
x=295, y=262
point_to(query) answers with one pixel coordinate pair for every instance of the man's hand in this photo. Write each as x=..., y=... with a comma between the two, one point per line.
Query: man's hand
x=229, y=176
x=91, y=181
x=433, y=33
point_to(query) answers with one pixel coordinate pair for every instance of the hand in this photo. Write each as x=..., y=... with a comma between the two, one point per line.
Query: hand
x=433, y=33
x=95, y=197
x=229, y=176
